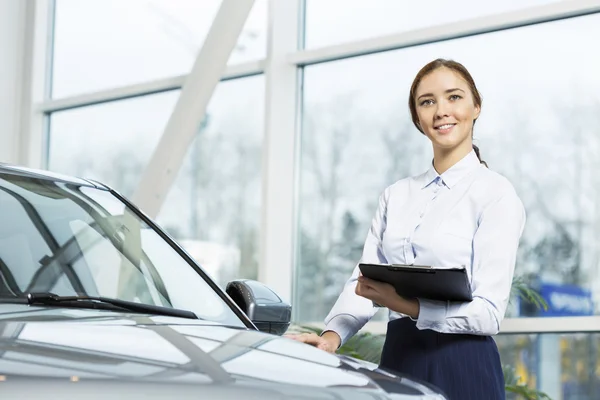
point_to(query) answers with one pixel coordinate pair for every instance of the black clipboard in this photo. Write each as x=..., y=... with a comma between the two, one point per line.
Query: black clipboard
x=411, y=281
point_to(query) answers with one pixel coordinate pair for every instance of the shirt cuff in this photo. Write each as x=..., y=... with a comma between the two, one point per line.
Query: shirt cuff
x=432, y=313
x=344, y=325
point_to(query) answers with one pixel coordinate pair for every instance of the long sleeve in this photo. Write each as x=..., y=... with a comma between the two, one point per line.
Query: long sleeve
x=351, y=312
x=495, y=246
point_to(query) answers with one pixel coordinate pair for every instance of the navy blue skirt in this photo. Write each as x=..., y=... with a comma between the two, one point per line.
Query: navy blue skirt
x=464, y=367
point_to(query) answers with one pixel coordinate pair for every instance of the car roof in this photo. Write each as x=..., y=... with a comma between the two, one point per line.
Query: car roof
x=41, y=174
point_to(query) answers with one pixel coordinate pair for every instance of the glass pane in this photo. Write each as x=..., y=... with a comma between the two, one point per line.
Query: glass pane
x=101, y=44
x=333, y=22
x=111, y=255
x=537, y=116
x=109, y=142
x=214, y=206
x=562, y=366
x=21, y=248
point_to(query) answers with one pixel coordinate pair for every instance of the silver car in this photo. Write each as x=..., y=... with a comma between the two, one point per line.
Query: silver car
x=97, y=301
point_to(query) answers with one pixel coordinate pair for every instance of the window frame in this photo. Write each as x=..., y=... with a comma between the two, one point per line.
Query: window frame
x=283, y=69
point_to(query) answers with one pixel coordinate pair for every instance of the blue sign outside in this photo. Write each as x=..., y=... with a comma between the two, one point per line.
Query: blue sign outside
x=566, y=301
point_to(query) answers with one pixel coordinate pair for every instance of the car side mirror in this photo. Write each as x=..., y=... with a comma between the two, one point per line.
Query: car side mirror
x=261, y=304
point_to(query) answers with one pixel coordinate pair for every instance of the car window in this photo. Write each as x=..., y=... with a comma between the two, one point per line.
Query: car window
x=121, y=280
x=21, y=244
x=76, y=240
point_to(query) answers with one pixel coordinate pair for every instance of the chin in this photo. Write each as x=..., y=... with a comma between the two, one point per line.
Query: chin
x=447, y=142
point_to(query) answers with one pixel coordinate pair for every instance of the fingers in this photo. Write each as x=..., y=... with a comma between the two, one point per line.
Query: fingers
x=363, y=289
x=301, y=337
x=366, y=281
x=313, y=340
x=368, y=292
x=309, y=338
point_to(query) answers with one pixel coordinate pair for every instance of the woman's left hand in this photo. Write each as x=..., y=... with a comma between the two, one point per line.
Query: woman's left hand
x=384, y=294
x=380, y=292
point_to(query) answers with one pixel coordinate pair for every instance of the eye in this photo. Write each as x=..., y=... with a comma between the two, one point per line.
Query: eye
x=454, y=97
x=427, y=102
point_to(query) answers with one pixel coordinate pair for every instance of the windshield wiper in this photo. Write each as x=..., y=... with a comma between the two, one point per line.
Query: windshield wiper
x=51, y=299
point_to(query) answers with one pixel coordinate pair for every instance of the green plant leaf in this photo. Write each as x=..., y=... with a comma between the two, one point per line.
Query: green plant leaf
x=512, y=385
x=522, y=290
x=366, y=346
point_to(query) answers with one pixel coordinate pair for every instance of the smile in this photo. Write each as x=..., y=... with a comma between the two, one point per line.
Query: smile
x=444, y=128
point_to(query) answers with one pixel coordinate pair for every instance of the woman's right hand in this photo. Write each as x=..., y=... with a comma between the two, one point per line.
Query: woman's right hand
x=329, y=341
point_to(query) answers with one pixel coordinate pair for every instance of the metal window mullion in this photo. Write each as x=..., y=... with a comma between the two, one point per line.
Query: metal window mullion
x=524, y=326
x=277, y=233
x=588, y=324
x=196, y=92
x=142, y=89
x=455, y=30
x=529, y=16
x=35, y=77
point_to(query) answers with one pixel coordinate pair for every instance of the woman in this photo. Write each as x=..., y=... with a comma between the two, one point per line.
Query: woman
x=457, y=213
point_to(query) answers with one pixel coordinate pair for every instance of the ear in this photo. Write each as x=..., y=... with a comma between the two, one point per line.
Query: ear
x=477, y=112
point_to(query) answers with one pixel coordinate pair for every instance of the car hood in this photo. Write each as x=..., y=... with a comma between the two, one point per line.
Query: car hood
x=98, y=353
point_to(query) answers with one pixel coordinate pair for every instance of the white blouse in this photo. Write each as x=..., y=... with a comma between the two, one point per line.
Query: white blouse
x=469, y=215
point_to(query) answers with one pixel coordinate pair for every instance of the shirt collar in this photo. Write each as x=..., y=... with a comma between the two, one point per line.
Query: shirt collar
x=455, y=173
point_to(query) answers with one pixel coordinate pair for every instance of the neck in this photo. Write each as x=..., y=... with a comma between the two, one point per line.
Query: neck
x=444, y=159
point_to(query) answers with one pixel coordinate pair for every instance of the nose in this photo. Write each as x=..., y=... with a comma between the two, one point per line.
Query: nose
x=442, y=110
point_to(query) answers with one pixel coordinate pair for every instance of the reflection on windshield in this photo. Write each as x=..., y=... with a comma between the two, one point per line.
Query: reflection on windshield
x=75, y=240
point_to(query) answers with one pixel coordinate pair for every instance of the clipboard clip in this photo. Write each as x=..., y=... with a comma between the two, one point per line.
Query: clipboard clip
x=412, y=268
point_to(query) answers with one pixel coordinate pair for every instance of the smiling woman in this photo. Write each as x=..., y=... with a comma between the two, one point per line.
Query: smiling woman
x=458, y=213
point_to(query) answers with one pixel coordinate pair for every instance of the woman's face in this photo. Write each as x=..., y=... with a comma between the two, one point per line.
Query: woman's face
x=446, y=109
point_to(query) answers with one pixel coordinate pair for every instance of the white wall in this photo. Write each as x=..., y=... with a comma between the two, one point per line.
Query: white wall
x=24, y=29
x=12, y=52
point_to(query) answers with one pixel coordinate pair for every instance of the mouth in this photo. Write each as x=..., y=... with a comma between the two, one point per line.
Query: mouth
x=446, y=128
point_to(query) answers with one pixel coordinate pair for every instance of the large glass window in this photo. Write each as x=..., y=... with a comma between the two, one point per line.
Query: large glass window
x=537, y=127
x=333, y=22
x=101, y=44
x=109, y=142
x=564, y=366
x=213, y=207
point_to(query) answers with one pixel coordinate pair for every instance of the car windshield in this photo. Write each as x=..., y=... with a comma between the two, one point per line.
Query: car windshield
x=77, y=240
